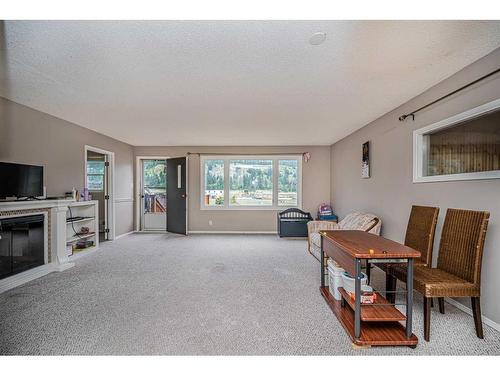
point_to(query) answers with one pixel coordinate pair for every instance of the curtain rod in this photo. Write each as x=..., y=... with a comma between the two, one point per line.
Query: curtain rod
x=412, y=114
x=247, y=154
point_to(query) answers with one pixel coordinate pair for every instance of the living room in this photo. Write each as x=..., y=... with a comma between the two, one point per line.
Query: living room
x=199, y=187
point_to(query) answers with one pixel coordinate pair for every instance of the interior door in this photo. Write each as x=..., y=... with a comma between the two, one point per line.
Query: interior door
x=177, y=195
x=105, y=237
x=98, y=185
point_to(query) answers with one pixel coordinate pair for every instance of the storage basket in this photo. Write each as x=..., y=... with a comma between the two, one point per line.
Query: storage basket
x=334, y=278
x=348, y=281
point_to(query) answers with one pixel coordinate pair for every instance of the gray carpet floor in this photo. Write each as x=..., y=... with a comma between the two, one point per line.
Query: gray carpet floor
x=202, y=294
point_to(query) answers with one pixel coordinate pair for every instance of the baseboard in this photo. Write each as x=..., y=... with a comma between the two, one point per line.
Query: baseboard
x=123, y=235
x=468, y=310
x=26, y=276
x=64, y=266
x=230, y=232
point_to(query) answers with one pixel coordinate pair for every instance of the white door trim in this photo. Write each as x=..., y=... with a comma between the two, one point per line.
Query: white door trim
x=187, y=194
x=138, y=186
x=111, y=187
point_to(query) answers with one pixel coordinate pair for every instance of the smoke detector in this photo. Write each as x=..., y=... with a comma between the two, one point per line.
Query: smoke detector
x=317, y=38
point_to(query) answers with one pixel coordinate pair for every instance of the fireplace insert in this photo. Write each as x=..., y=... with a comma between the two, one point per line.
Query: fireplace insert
x=21, y=244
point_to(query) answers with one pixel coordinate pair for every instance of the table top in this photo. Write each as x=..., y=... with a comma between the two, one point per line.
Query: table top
x=363, y=245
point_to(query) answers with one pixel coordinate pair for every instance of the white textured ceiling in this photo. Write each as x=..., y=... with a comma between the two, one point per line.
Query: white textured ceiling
x=231, y=82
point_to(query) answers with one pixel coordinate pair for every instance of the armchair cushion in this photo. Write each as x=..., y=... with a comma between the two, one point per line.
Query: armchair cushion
x=316, y=239
x=316, y=225
x=361, y=221
x=313, y=228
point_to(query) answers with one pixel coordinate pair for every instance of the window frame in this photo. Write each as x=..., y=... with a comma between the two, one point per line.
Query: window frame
x=103, y=175
x=275, y=170
x=420, y=150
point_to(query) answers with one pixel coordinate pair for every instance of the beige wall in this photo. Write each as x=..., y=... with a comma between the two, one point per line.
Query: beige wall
x=33, y=137
x=315, y=190
x=390, y=192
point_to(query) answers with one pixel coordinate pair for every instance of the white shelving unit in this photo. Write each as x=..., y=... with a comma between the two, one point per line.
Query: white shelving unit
x=89, y=211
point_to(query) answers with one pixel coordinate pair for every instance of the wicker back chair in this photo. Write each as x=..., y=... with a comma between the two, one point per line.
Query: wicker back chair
x=420, y=232
x=419, y=236
x=458, y=272
x=462, y=243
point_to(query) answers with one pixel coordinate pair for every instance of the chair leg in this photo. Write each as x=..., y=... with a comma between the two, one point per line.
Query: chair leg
x=441, y=304
x=427, y=318
x=368, y=272
x=390, y=286
x=432, y=302
x=476, y=312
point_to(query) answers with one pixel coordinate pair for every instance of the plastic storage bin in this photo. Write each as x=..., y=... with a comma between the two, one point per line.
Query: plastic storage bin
x=348, y=281
x=334, y=278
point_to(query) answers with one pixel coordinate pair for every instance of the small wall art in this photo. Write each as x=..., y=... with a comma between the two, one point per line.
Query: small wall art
x=365, y=161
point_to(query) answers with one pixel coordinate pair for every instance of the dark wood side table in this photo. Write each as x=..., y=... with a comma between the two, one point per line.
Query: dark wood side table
x=377, y=324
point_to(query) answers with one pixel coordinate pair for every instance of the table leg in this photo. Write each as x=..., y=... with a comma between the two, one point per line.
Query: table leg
x=357, y=301
x=322, y=265
x=409, y=297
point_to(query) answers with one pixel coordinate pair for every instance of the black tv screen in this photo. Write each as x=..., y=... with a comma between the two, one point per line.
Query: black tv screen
x=20, y=180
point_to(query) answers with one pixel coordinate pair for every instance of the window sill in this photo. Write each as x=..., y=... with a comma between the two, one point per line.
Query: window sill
x=458, y=177
x=248, y=208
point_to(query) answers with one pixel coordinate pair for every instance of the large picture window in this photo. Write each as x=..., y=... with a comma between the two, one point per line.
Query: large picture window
x=463, y=147
x=250, y=182
x=246, y=182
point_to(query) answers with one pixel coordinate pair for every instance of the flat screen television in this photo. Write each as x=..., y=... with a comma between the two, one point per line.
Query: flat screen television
x=20, y=180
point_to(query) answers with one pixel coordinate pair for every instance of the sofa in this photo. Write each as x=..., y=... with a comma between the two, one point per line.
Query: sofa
x=353, y=221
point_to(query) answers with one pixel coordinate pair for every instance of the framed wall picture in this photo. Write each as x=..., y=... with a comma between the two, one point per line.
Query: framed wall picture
x=365, y=160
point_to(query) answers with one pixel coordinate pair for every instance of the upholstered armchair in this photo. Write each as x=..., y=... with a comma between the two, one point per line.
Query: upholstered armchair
x=353, y=221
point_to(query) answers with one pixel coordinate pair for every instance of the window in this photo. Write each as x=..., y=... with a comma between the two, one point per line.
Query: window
x=155, y=174
x=251, y=182
x=463, y=147
x=246, y=182
x=95, y=175
x=214, y=182
x=288, y=182
x=154, y=186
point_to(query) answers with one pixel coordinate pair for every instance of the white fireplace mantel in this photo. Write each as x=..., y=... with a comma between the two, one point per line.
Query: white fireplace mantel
x=13, y=205
x=58, y=260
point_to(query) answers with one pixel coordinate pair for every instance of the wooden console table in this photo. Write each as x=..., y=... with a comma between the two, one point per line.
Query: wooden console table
x=368, y=324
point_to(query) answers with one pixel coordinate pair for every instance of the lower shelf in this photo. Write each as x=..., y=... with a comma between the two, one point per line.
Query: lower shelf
x=76, y=251
x=380, y=311
x=78, y=237
x=82, y=252
x=372, y=333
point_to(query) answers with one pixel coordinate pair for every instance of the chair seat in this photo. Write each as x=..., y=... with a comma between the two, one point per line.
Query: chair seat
x=433, y=282
x=387, y=266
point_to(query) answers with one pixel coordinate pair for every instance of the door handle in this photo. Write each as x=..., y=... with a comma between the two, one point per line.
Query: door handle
x=183, y=195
